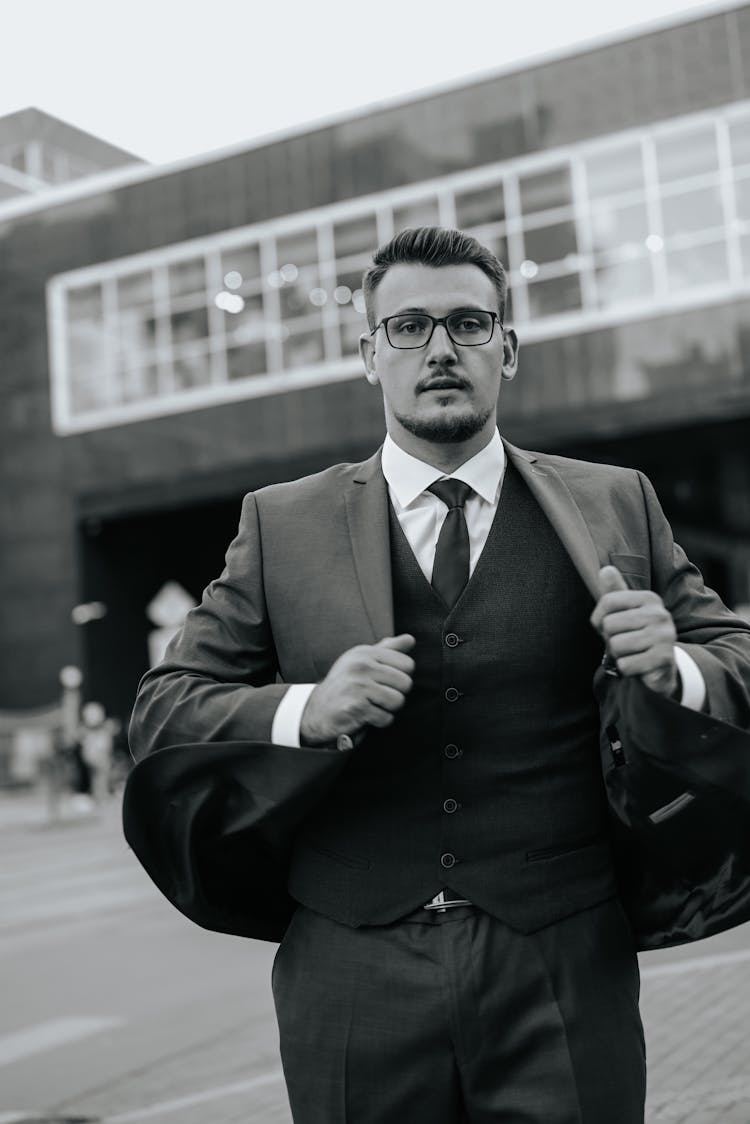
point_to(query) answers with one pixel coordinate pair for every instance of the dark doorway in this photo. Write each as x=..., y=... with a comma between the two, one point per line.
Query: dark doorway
x=124, y=562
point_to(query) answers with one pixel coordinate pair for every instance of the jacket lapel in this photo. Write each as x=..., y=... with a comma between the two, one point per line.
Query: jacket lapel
x=563, y=512
x=366, y=501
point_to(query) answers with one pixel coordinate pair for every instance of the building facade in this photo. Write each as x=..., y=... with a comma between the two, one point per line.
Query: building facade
x=38, y=151
x=178, y=336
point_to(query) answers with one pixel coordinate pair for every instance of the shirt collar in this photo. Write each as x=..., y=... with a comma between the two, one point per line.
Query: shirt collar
x=407, y=477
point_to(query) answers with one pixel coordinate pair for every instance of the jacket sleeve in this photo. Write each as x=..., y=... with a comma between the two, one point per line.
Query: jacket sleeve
x=217, y=681
x=717, y=639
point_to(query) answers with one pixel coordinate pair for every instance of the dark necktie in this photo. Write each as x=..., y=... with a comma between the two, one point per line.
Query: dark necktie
x=451, y=570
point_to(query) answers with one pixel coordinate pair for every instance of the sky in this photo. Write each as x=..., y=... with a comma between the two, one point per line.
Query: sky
x=167, y=79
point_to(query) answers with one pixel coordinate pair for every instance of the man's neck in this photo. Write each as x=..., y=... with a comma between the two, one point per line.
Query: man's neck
x=447, y=456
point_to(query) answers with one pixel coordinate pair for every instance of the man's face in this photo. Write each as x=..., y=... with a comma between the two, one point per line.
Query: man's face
x=443, y=392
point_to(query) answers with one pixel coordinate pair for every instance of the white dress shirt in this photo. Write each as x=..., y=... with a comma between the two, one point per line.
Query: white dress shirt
x=421, y=515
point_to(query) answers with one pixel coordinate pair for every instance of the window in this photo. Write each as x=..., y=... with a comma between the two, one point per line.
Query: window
x=480, y=207
x=620, y=282
x=187, y=279
x=701, y=264
x=686, y=153
x=356, y=237
x=558, y=294
x=89, y=351
x=240, y=268
x=739, y=141
x=745, y=255
x=17, y=159
x=550, y=243
x=615, y=170
x=690, y=211
x=618, y=226
x=545, y=191
x=604, y=227
x=301, y=298
x=742, y=195
x=354, y=242
x=136, y=363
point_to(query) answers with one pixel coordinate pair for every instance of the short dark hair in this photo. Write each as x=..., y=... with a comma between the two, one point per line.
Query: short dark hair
x=434, y=246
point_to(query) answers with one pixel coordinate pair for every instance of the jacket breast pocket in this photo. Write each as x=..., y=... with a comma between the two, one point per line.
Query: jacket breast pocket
x=635, y=568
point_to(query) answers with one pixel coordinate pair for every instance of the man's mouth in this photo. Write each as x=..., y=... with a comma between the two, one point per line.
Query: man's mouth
x=444, y=384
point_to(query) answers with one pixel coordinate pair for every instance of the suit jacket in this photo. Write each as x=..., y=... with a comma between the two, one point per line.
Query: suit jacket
x=212, y=806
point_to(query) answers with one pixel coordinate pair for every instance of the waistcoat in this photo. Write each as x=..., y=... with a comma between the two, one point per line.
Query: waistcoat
x=489, y=780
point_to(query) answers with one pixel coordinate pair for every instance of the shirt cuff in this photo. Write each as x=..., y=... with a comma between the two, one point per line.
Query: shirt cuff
x=693, y=683
x=288, y=717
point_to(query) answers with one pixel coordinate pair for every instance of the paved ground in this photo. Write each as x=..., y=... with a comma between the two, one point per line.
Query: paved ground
x=696, y=1012
x=118, y=1042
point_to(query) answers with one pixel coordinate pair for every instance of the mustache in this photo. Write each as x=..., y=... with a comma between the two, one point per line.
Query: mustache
x=443, y=380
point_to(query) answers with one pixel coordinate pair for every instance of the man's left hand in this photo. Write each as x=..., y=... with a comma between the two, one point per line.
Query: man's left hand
x=638, y=630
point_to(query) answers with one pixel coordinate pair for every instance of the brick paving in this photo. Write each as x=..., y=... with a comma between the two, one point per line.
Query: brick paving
x=696, y=1010
x=696, y=1013
x=695, y=1003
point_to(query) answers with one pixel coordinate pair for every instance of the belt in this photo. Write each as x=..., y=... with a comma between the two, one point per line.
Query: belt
x=446, y=899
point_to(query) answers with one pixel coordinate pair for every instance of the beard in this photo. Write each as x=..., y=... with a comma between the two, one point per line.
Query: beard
x=446, y=428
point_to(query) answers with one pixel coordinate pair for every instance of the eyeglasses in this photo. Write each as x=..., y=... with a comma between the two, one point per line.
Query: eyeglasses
x=470, y=327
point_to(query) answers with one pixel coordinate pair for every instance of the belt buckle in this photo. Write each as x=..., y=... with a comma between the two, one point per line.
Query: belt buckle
x=440, y=903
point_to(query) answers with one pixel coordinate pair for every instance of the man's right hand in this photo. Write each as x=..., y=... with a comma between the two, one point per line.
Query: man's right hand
x=366, y=686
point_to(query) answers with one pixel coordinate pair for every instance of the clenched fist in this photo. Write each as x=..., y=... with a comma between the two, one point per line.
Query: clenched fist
x=366, y=686
x=638, y=630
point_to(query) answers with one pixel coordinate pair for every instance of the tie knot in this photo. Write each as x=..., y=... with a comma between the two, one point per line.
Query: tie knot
x=453, y=493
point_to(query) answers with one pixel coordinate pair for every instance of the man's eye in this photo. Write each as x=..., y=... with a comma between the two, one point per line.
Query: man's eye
x=409, y=327
x=467, y=324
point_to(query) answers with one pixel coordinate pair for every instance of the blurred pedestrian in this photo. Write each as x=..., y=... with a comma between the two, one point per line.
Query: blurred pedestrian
x=96, y=738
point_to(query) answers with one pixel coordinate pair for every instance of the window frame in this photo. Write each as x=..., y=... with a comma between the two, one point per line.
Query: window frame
x=336, y=366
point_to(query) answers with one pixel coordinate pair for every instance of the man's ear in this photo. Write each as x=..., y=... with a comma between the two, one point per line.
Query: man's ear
x=510, y=354
x=367, y=353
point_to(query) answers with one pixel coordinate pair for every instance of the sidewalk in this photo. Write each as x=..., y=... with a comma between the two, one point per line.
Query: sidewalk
x=695, y=999
x=29, y=807
x=695, y=1003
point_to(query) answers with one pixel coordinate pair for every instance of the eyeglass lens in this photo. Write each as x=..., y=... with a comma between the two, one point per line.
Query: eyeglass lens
x=469, y=328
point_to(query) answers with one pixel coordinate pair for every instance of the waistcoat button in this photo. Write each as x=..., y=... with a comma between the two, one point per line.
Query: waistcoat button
x=452, y=694
x=452, y=640
x=450, y=805
x=452, y=750
x=447, y=860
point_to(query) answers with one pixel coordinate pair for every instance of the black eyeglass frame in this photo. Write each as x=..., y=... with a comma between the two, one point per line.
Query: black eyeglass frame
x=435, y=321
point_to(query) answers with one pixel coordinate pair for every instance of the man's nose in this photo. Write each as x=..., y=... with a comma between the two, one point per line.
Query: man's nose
x=441, y=348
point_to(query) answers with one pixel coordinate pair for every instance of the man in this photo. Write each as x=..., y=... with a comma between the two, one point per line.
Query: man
x=459, y=951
